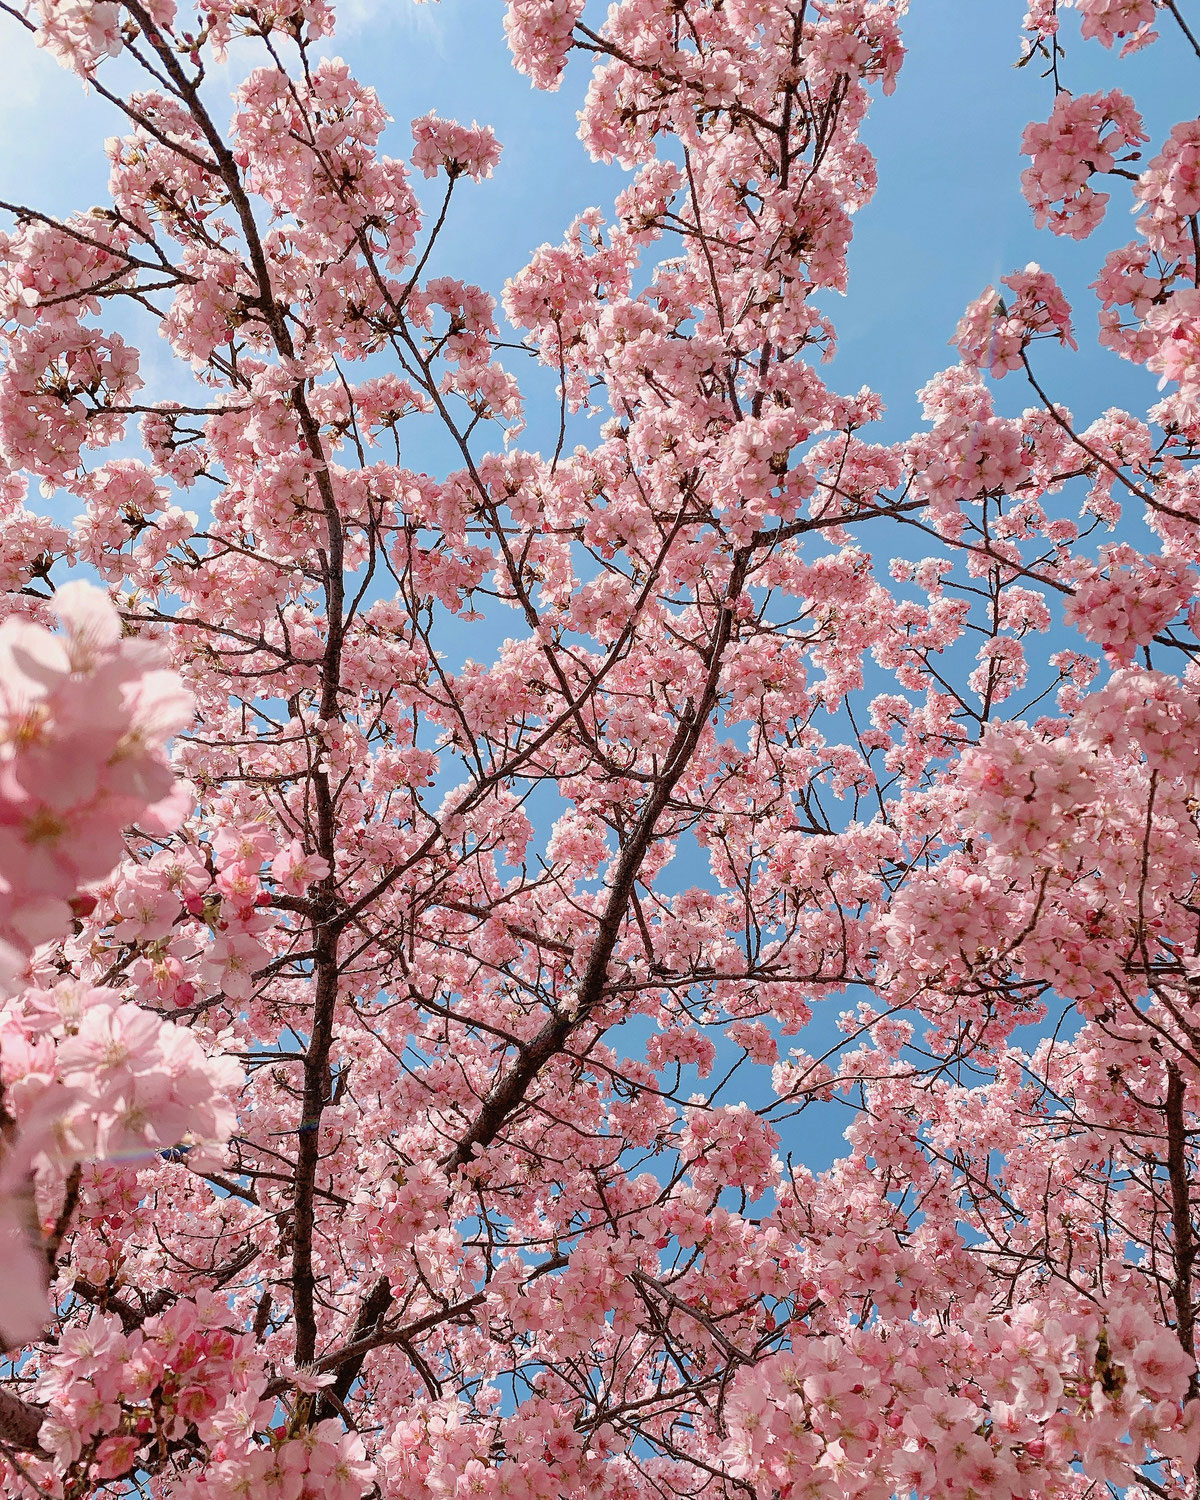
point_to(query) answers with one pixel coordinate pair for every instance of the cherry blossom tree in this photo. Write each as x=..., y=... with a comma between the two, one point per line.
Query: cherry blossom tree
x=407, y=1061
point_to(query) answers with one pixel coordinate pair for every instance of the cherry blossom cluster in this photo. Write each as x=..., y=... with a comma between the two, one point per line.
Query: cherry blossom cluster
x=539, y=35
x=117, y=1397
x=993, y=335
x=85, y=717
x=1108, y=20
x=1124, y=603
x=79, y=33
x=86, y=1075
x=1084, y=135
x=446, y=146
x=832, y=1413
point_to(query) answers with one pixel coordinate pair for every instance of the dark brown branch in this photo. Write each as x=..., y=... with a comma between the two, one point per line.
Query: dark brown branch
x=20, y=1423
x=1184, y=1240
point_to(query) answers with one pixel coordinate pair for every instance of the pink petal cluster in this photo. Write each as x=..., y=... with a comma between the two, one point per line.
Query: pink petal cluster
x=1124, y=603
x=116, y=1394
x=1083, y=136
x=458, y=150
x=838, y=1415
x=1107, y=20
x=85, y=715
x=79, y=33
x=994, y=332
x=88, y=1076
x=539, y=35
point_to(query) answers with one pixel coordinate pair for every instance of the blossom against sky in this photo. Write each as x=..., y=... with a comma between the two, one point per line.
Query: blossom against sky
x=948, y=216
